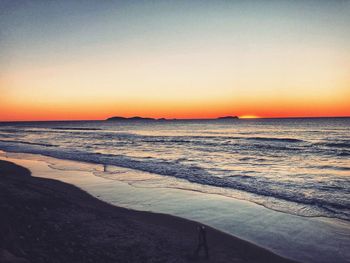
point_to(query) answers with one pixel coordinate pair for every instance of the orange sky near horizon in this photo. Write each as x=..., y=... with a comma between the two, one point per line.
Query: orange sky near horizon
x=79, y=92
x=34, y=113
x=69, y=61
x=100, y=111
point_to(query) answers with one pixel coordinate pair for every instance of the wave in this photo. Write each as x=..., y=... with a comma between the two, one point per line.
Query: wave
x=330, y=167
x=344, y=153
x=30, y=143
x=7, y=135
x=8, y=130
x=216, y=138
x=338, y=144
x=76, y=129
x=273, y=139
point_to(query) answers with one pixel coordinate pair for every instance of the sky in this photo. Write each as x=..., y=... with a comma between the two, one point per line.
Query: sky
x=80, y=60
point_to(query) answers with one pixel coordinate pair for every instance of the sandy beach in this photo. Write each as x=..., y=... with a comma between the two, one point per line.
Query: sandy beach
x=44, y=220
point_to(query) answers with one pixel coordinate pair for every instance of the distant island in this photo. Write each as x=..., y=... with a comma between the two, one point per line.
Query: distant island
x=137, y=118
x=228, y=118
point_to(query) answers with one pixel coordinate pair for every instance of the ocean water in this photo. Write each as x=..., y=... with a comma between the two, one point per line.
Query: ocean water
x=296, y=166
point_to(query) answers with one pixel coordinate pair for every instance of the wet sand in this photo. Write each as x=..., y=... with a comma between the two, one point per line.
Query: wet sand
x=45, y=220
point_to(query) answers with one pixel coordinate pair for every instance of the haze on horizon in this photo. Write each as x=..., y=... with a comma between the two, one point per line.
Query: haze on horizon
x=173, y=59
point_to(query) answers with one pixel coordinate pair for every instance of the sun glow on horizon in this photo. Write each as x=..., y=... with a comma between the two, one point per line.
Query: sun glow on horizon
x=249, y=117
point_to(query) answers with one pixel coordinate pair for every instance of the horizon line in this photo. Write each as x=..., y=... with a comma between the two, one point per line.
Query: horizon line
x=183, y=119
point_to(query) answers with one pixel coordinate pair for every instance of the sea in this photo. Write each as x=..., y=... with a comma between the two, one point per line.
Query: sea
x=298, y=166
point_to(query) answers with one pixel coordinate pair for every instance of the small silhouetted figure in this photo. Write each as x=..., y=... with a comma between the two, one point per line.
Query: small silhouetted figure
x=202, y=242
x=104, y=168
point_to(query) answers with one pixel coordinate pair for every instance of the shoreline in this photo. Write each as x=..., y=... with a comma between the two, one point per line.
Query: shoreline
x=10, y=151
x=61, y=217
